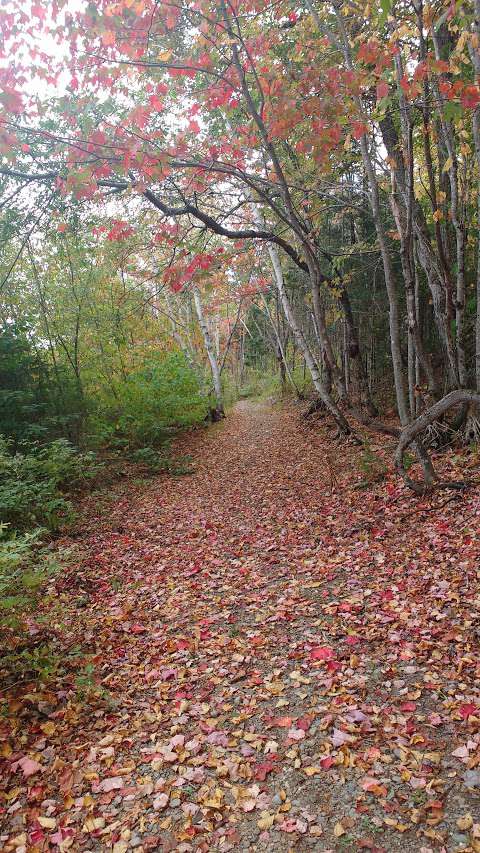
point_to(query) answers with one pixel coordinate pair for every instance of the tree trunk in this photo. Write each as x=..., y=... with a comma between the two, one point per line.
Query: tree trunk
x=310, y=362
x=411, y=433
x=219, y=411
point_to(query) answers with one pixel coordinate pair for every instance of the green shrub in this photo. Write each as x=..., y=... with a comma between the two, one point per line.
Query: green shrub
x=152, y=402
x=151, y=458
x=161, y=460
x=371, y=465
x=32, y=483
x=24, y=568
x=36, y=402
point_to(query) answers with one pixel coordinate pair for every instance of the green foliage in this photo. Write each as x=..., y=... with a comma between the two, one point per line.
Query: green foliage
x=259, y=384
x=32, y=483
x=158, y=461
x=34, y=403
x=371, y=465
x=162, y=395
x=24, y=567
x=266, y=384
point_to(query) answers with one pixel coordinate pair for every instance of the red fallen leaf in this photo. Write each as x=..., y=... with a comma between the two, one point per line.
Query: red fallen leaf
x=322, y=653
x=352, y=640
x=283, y=722
x=113, y=783
x=61, y=834
x=28, y=766
x=408, y=706
x=304, y=723
x=36, y=836
x=37, y=793
x=288, y=825
x=467, y=710
x=434, y=804
x=137, y=629
x=327, y=762
x=262, y=770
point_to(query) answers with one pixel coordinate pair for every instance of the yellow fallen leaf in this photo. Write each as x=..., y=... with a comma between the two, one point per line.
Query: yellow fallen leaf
x=266, y=821
x=310, y=771
x=297, y=676
x=120, y=847
x=214, y=801
x=12, y=794
x=48, y=728
x=465, y=822
x=47, y=822
x=338, y=830
x=93, y=823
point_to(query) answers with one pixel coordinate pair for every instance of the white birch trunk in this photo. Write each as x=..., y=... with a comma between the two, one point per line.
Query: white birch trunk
x=210, y=349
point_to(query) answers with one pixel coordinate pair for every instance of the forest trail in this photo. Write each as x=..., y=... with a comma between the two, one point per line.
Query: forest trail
x=282, y=662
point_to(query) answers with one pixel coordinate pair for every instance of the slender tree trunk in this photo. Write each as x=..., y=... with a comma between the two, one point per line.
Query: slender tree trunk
x=297, y=332
x=353, y=355
x=280, y=352
x=319, y=314
x=177, y=336
x=458, y=220
x=475, y=57
x=219, y=411
x=309, y=359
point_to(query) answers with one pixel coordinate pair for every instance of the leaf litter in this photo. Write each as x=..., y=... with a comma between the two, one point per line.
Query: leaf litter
x=277, y=659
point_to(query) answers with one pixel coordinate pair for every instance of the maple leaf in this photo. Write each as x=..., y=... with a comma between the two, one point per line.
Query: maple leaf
x=262, y=770
x=467, y=710
x=296, y=734
x=339, y=738
x=113, y=783
x=382, y=89
x=322, y=653
x=28, y=766
x=282, y=722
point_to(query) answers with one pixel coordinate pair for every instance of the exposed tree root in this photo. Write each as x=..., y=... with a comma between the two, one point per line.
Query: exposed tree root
x=471, y=431
x=438, y=434
x=411, y=435
x=215, y=414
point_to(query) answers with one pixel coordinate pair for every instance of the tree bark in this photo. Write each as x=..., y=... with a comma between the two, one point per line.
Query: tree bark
x=411, y=433
x=219, y=411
